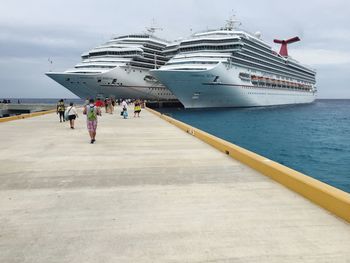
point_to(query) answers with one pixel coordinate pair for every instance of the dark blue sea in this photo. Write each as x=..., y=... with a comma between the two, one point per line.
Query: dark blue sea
x=313, y=138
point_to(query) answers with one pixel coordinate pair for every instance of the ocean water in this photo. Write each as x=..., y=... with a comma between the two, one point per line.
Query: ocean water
x=312, y=138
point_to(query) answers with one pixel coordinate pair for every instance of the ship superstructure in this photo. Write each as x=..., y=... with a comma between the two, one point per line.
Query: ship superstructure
x=230, y=67
x=120, y=68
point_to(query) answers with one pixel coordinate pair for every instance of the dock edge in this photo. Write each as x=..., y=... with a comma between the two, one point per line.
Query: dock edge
x=330, y=198
x=25, y=116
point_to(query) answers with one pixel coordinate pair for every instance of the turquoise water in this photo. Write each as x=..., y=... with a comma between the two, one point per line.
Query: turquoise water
x=313, y=138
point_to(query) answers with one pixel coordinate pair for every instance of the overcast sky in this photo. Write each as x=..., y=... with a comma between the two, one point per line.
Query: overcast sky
x=34, y=30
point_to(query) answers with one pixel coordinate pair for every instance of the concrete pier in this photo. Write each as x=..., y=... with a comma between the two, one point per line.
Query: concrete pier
x=147, y=192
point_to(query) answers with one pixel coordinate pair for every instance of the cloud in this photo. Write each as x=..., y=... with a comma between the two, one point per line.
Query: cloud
x=317, y=57
x=25, y=78
x=40, y=41
x=32, y=31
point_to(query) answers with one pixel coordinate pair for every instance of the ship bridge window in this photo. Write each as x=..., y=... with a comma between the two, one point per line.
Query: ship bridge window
x=189, y=69
x=118, y=53
x=192, y=62
x=208, y=41
x=205, y=47
x=153, y=47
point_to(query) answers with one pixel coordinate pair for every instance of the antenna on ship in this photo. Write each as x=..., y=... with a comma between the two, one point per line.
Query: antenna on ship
x=153, y=28
x=232, y=23
x=50, y=63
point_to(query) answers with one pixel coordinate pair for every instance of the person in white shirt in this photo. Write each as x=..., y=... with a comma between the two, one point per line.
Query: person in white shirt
x=124, y=104
x=72, y=114
x=124, y=112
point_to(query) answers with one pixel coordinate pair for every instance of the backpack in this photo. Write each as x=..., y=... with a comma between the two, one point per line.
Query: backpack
x=91, y=114
x=60, y=106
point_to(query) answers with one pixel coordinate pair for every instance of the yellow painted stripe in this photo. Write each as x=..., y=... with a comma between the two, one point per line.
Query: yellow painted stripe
x=24, y=116
x=324, y=195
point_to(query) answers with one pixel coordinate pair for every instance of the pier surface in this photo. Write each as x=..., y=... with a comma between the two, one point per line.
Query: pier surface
x=147, y=192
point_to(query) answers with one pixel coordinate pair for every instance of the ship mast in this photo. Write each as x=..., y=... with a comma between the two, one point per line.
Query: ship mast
x=232, y=23
x=153, y=28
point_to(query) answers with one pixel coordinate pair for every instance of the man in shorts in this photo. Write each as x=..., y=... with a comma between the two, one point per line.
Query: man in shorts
x=91, y=112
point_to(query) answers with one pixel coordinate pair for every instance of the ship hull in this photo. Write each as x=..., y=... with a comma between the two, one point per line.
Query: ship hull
x=220, y=86
x=120, y=82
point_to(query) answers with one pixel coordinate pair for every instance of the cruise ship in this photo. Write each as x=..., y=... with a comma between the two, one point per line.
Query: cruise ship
x=119, y=68
x=230, y=67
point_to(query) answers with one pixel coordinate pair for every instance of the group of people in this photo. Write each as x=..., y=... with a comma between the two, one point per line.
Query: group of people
x=67, y=114
x=109, y=104
x=6, y=101
x=92, y=109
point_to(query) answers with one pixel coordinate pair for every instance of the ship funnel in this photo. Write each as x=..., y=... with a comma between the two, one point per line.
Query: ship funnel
x=284, y=43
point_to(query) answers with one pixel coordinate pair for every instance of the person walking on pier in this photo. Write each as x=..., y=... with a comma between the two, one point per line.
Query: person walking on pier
x=106, y=104
x=124, y=104
x=71, y=114
x=112, y=104
x=137, y=108
x=124, y=112
x=99, y=103
x=109, y=106
x=61, y=109
x=91, y=112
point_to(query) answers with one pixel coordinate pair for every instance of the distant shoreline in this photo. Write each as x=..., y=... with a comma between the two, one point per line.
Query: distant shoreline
x=11, y=98
x=41, y=100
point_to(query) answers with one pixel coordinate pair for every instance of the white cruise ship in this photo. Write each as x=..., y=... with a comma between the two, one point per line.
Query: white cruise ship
x=229, y=67
x=119, y=68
